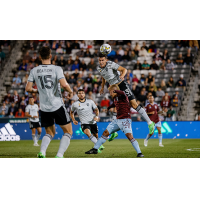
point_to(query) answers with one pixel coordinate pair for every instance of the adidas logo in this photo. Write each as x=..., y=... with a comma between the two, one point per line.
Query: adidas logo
x=7, y=133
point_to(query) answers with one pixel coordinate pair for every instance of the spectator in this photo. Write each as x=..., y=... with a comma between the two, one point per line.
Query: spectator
x=145, y=65
x=19, y=113
x=181, y=82
x=2, y=114
x=31, y=45
x=68, y=66
x=86, y=88
x=154, y=66
x=152, y=90
x=27, y=56
x=142, y=79
x=144, y=45
x=82, y=65
x=160, y=92
x=171, y=111
x=105, y=102
x=34, y=57
x=59, y=50
x=55, y=60
x=169, y=117
x=75, y=45
x=135, y=89
x=163, y=65
x=75, y=96
x=138, y=65
x=166, y=95
x=23, y=66
x=188, y=60
x=54, y=45
x=103, y=112
x=75, y=74
x=61, y=62
x=157, y=56
x=179, y=60
x=96, y=54
x=12, y=109
x=135, y=79
x=25, y=79
x=129, y=75
x=72, y=80
x=137, y=48
x=143, y=52
x=118, y=56
x=23, y=104
x=121, y=51
x=133, y=57
x=171, y=83
x=125, y=57
x=46, y=43
x=138, y=119
x=83, y=45
x=81, y=53
x=30, y=66
x=152, y=47
x=177, y=94
x=165, y=102
x=78, y=60
x=163, y=85
x=16, y=80
x=95, y=89
x=68, y=48
x=194, y=43
x=169, y=65
x=142, y=97
x=75, y=65
x=91, y=96
x=164, y=42
x=87, y=53
x=8, y=98
x=4, y=108
x=150, y=78
x=175, y=101
x=2, y=54
x=89, y=78
x=92, y=65
x=165, y=55
x=11, y=115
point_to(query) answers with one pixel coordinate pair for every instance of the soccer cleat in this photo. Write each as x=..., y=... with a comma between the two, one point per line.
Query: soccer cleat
x=113, y=136
x=99, y=151
x=59, y=157
x=40, y=155
x=36, y=145
x=92, y=151
x=151, y=128
x=161, y=145
x=101, y=148
x=140, y=155
x=145, y=143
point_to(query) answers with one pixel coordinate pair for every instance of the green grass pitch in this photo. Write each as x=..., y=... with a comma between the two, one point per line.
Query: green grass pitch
x=118, y=148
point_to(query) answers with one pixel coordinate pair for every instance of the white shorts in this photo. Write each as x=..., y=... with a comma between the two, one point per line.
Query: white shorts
x=158, y=124
x=124, y=125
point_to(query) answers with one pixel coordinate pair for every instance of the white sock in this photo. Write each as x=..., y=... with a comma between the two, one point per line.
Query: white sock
x=160, y=138
x=38, y=137
x=93, y=139
x=100, y=141
x=135, y=145
x=148, y=136
x=34, y=139
x=45, y=143
x=143, y=113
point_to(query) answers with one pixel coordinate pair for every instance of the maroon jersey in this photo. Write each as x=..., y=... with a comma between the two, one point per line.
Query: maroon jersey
x=150, y=108
x=122, y=105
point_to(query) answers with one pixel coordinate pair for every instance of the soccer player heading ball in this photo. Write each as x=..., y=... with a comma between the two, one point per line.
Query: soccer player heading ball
x=109, y=72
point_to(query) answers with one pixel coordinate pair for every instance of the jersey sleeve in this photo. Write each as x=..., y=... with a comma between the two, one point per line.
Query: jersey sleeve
x=31, y=77
x=59, y=72
x=27, y=109
x=94, y=105
x=115, y=66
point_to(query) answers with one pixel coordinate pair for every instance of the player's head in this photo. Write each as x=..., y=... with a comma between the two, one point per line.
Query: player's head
x=45, y=53
x=151, y=99
x=112, y=88
x=31, y=101
x=102, y=60
x=81, y=94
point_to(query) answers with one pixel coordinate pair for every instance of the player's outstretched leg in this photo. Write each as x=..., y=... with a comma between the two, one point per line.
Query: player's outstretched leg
x=50, y=132
x=113, y=136
x=146, y=140
x=160, y=137
x=100, y=141
x=65, y=141
x=134, y=144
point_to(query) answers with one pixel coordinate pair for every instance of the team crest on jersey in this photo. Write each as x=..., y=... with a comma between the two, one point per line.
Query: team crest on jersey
x=87, y=104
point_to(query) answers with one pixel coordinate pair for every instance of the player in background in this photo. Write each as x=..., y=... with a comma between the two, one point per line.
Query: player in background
x=84, y=108
x=153, y=110
x=123, y=121
x=49, y=78
x=109, y=72
x=31, y=111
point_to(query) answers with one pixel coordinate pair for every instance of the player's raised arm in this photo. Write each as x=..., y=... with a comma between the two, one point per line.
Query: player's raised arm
x=102, y=86
x=122, y=71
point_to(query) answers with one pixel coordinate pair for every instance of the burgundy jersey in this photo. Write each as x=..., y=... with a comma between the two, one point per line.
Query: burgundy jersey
x=122, y=105
x=149, y=108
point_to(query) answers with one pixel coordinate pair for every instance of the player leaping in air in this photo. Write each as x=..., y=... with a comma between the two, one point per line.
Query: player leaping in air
x=123, y=121
x=153, y=110
x=84, y=108
x=109, y=72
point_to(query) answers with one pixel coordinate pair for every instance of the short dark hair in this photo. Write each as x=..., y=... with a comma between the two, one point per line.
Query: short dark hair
x=102, y=55
x=151, y=96
x=80, y=90
x=45, y=53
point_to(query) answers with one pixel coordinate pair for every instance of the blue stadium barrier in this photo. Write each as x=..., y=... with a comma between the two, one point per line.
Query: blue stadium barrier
x=170, y=130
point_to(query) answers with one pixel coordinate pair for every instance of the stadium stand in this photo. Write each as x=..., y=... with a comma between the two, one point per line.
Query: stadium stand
x=163, y=68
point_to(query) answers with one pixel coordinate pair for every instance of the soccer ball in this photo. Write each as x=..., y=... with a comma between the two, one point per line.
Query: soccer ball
x=105, y=49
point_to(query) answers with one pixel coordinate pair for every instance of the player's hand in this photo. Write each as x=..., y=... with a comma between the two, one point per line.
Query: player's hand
x=35, y=116
x=75, y=122
x=70, y=95
x=121, y=77
x=101, y=91
x=96, y=119
x=153, y=112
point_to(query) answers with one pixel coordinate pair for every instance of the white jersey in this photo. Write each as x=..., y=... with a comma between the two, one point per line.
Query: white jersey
x=32, y=110
x=47, y=79
x=110, y=72
x=85, y=111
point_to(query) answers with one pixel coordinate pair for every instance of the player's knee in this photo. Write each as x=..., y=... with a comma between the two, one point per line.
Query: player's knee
x=87, y=132
x=134, y=103
x=129, y=136
x=106, y=133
